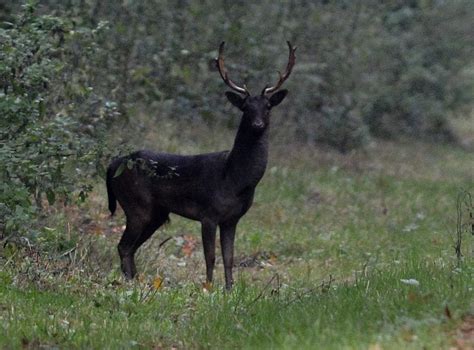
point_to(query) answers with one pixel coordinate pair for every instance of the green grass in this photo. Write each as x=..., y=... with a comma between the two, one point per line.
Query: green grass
x=330, y=238
x=377, y=309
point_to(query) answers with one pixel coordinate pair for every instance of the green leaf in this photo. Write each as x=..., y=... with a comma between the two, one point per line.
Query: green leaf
x=101, y=171
x=119, y=170
x=41, y=108
x=82, y=196
x=51, y=196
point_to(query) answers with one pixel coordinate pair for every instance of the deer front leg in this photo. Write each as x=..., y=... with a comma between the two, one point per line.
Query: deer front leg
x=209, y=245
x=227, y=244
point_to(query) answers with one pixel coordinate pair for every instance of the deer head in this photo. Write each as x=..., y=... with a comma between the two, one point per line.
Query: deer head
x=256, y=109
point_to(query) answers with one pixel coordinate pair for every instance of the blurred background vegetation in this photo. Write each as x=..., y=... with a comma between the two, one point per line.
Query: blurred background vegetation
x=80, y=78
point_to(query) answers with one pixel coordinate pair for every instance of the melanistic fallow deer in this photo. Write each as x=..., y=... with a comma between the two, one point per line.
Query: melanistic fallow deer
x=216, y=189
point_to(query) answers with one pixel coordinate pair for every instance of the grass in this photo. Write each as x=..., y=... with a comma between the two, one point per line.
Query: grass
x=377, y=309
x=320, y=261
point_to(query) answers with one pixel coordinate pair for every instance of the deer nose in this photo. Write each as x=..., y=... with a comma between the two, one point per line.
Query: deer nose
x=258, y=124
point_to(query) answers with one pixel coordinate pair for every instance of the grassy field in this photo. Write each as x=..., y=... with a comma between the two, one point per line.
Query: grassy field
x=338, y=251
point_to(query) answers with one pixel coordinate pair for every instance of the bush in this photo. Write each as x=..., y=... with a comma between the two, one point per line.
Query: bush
x=425, y=55
x=379, y=69
x=52, y=120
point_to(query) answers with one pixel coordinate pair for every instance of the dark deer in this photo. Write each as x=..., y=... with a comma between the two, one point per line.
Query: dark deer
x=216, y=189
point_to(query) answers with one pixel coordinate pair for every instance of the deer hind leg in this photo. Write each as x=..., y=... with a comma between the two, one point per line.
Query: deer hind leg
x=139, y=228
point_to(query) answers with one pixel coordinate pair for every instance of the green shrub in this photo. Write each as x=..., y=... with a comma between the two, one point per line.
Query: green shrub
x=52, y=125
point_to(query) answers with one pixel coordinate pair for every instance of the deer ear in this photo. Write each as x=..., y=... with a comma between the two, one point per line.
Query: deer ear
x=235, y=99
x=277, y=97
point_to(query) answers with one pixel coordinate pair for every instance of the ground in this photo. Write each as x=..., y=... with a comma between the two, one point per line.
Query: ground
x=338, y=251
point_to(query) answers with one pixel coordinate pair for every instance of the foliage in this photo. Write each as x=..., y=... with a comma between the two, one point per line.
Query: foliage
x=365, y=68
x=51, y=118
x=426, y=49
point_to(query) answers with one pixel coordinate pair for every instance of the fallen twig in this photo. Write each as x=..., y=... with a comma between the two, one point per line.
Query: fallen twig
x=276, y=275
x=164, y=241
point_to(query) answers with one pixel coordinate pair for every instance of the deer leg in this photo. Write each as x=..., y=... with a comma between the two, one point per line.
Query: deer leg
x=126, y=252
x=209, y=245
x=227, y=232
x=135, y=234
x=158, y=220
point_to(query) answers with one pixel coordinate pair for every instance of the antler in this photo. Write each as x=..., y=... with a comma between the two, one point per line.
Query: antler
x=223, y=72
x=289, y=67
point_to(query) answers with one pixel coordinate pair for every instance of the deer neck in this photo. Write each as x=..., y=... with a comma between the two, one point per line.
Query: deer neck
x=247, y=160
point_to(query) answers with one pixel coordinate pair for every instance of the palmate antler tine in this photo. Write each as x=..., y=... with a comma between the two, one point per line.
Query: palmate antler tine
x=286, y=74
x=224, y=75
